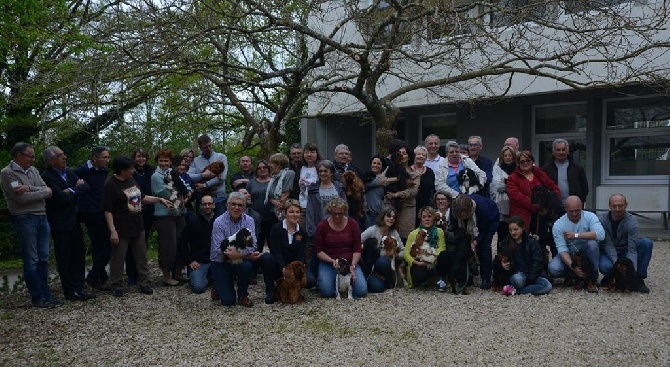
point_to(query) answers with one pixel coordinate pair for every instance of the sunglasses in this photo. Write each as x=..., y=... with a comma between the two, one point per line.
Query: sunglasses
x=524, y=161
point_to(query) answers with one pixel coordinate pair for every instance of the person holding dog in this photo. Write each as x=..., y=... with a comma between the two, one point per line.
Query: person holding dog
x=204, y=179
x=287, y=243
x=381, y=276
x=338, y=237
x=577, y=230
x=446, y=175
x=419, y=271
x=622, y=241
x=527, y=259
x=195, y=242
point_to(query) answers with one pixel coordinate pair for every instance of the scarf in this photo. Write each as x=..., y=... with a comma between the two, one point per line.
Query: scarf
x=471, y=225
x=508, y=168
x=432, y=235
x=276, y=180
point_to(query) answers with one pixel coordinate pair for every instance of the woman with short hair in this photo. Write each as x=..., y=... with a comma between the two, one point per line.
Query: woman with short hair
x=379, y=270
x=280, y=185
x=419, y=271
x=426, y=180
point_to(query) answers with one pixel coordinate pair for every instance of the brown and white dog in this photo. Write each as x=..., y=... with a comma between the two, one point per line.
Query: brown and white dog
x=421, y=250
x=287, y=289
x=354, y=189
x=217, y=169
x=390, y=249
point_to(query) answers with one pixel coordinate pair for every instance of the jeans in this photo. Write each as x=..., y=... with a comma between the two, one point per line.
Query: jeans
x=224, y=273
x=589, y=248
x=382, y=267
x=70, y=258
x=272, y=272
x=101, y=245
x=644, y=247
x=32, y=233
x=326, y=281
x=541, y=285
x=198, y=278
x=485, y=256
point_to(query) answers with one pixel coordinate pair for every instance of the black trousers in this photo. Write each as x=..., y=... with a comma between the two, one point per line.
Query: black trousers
x=70, y=258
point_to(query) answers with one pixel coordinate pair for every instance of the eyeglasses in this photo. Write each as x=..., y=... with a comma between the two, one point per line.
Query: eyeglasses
x=337, y=214
x=28, y=156
x=524, y=161
x=261, y=167
x=236, y=205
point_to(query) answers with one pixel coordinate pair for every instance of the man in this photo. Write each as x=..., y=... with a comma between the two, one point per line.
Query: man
x=295, y=154
x=342, y=162
x=576, y=230
x=475, y=148
x=25, y=192
x=240, y=179
x=204, y=179
x=512, y=142
x=567, y=174
x=446, y=179
x=225, y=265
x=94, y=172
x=622, y=241
x=434, y=158
x=65, y=228
x=195, y=242
x=253, y=214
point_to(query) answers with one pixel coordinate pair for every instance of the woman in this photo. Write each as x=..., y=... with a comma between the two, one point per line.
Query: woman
x=375, y=181
x=318, y=195
x=381, y=277
x=338, y=236
x=180, y=164
x=308, y=174
x=519, y=185
x=505, y=165
x=257, y=188
x=528, y=259
x=168, y=222
x=142, y=176
x=122, y=206
x=442, y=204
x=418, y=271
x=280, y=185
x=446, y=176
x=188, y=155
x=287, y=243
x=426, y=180
x=403, y=197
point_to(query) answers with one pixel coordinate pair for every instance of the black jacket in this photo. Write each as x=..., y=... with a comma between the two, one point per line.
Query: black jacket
x=62, y=205
x=196, y=239
x=529, y=258
x=284, y=252
x=577, y=182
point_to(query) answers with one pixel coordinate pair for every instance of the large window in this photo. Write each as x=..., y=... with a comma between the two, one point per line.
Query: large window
x=443, y=126
x=565, y=121
x=510, y=12
x=637, y=139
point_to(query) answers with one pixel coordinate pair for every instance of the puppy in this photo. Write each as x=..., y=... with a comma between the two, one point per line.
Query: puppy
x=421, y=250
x=457, y=260
x=623, y=277
x=468, y=181
x=239, y=240
x=343, y=279
x=390, y=249
x=353, y=188
x=177, y=188
x=501, y=276
x=287, y=289
x=581, y=261
x=217, y=169
x=441, y=221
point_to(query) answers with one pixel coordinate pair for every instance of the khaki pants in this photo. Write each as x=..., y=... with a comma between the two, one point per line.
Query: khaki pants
x=118, y=258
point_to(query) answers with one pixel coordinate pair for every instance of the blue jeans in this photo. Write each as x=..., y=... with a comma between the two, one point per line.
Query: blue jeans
x=485, y=256
x=224, y=274
x=326, y=281
x=644, y=247
x=541, y=285
x=32, y=233
x=198, y=278
x=383, y=268
x=590, y=248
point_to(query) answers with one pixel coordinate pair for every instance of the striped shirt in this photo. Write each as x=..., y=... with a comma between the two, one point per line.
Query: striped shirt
x=225, y=227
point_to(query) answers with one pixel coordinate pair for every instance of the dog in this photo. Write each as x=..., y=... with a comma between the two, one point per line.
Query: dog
x=581, y=261
x=501, y=277
x=353, y=189
x=177, y=188
x=421, y=250
x=217, y=169
x=541, y=221
x=456, y=259
x=389, y=248
x=343, y=279
x=623, y=277
x=239, y=241
x=287, y=289
x=468, y=181
x=442, y=221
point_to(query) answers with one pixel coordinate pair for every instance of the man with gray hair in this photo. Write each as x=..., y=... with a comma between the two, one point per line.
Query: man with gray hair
x=25, y=192
x=475, y=148
x=343, y=163
x=66, y=231
x=566, y=173
x=433, y=160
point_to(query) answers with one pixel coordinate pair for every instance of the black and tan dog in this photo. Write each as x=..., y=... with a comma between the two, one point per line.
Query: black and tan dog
x=501, y=277
x=581, y=261
x=541, y=221
x=623, y=277
x=456, y=260
x=239, y=240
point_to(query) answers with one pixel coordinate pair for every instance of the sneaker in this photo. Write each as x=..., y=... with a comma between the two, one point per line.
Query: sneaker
x=486, y=284
x=641, y=287
x=441, y=286
x=591, y=288
x=117, y=293
x=55, y=302
x=146, y=290
x=43, y=304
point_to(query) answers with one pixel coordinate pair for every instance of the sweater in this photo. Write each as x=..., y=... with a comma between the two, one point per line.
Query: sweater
x=31, y=202
x=91, y=201
x=626, y=238
x=195, y=239
x=338, y=244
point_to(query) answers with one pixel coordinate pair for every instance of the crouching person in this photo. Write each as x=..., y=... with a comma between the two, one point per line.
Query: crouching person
x=195, y=243
x=528, y=260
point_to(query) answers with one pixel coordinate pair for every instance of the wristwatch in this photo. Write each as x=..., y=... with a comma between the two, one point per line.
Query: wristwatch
x=576, y=235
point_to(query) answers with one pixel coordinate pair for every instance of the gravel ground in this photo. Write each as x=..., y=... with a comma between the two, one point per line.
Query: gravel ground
x=396, y=328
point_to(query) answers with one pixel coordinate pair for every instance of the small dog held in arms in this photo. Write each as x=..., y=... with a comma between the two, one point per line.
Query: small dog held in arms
x=239, y=240
x=421, y=250
x=354, y=189
x=177, y=188
x=287, y=289
x=343, y=279
x=390, y=249
x=468, y=181
x=217, y=169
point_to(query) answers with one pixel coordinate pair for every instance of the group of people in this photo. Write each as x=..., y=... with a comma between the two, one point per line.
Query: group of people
x=303, y=207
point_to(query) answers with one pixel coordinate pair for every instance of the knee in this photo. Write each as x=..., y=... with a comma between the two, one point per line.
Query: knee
x=605, y=264
x=644, y=244
x=197, y=289
x=518, y=281
x=326, y=290
x=592, y=247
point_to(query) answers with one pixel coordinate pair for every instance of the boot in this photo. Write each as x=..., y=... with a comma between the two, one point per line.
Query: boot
x=641, y=287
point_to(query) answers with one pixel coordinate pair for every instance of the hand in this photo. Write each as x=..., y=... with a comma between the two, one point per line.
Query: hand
x=578, y=271
x=352, y=268
x=49, y=192
x=168, y=204
x=232, y=254
x=569, y=235
x=114, y=237
x=21, y=189
x=200, y=187
x=254, y=256
x=79, y=182
x=505, y=265
x=194, y=265
x=391, y=195
x=473, y=245
x=419, y=263
x=207, y=174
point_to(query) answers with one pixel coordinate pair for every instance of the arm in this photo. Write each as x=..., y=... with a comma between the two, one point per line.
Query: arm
x=498, y=183
x=441, y=179
x=275, y=244
x=517, y=194
x=157, y=186
x=548, y=182
x=596, y=231
x=60, y=196
x=408, y=247
x=215, y=253
x=441, y=243
x=410, y=191
x=481, y=175
x=536, y=260
x=113, y=236
x=584, y=184
x=631, y=229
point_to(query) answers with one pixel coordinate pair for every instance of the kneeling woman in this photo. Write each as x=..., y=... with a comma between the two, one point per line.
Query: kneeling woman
x=287, y=244
x=338, y=236
x=382, y=276
x=419, y=271
x=528, y=259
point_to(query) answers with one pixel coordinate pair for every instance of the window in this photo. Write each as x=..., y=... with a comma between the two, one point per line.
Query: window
x=443, y=126
x=510, y=12
x=576, y=6
x=637, y=138
x=566, y=121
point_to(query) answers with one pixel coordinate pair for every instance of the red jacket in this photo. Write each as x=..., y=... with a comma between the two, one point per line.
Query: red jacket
x=518, y=190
